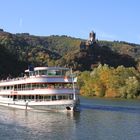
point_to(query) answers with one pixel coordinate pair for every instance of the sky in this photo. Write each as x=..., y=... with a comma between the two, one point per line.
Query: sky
x=111, y=20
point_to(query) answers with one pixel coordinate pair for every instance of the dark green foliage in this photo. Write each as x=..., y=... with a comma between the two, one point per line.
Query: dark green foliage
x=9, y=64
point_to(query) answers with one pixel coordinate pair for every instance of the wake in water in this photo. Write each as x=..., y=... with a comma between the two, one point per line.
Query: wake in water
x=111, y=108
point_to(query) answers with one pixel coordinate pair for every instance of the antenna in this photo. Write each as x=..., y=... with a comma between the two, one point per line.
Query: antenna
x=73, y=84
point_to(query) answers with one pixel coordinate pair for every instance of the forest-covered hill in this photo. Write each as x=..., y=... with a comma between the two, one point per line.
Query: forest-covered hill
x=17, y=51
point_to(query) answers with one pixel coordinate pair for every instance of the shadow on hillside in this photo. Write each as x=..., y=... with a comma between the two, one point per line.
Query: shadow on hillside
x=93, y=56
x=9, y=64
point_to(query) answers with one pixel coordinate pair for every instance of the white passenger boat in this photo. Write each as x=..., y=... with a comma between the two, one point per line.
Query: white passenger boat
x=42, y=88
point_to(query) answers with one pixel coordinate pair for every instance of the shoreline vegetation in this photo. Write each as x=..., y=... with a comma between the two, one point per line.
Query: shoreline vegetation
x=110, y=82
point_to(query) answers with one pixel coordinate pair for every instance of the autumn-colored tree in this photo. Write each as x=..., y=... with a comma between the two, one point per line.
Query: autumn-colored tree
x=110, y=82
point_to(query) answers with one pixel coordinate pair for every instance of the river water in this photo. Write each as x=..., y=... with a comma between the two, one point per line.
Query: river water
x=99, y=119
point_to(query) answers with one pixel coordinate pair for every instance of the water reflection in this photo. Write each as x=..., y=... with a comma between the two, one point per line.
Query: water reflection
x=119, y=105
x=112, y=108
x=34, y=125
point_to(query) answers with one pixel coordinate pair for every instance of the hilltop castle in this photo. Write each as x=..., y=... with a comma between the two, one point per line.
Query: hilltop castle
x=91, y=42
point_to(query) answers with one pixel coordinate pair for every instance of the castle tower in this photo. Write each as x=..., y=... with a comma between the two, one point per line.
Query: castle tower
x=92, y=36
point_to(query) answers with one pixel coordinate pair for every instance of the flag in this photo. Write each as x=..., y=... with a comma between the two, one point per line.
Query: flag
x=66, y=79
x=31, y=68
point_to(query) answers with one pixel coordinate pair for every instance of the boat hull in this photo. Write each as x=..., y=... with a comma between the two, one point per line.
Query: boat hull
x=67, y=105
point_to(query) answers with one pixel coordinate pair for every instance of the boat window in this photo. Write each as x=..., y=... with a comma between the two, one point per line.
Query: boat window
x=47, y=97
x=40, y=97
x=23, y=86
x=36, y=72
x=45, y=85
x=51, y=85
x=56, y=85
x=31, y=73
x=38, y=85
x=71, y=96
x=54, y=97
x=66, y=97
x=43, y=72
x=68, y=85
x=51, y=72
x=28, y=86
x=19, y=87
x=14, y=97
x=34, y=86
x=33, y=97
x=19, y=97
x=8, y=96
x=58, y=72
x=60, y=97
x=15, y=87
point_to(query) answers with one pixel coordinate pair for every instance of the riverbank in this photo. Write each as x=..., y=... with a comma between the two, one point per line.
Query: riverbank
x=110, y=98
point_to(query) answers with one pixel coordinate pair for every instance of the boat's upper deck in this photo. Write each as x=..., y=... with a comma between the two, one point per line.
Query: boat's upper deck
x=46, y=68
x=47, y=71
x=42, y=75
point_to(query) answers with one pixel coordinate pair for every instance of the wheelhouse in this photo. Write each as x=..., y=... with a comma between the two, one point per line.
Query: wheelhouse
x=48, y=71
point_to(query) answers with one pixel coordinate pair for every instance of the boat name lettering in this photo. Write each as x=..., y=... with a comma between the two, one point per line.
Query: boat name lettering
x=14, y=92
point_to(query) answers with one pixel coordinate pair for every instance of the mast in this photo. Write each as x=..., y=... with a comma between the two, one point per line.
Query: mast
x=73, y=86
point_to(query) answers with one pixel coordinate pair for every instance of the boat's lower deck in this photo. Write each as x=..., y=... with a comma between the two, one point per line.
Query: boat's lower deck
x=40, y=105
